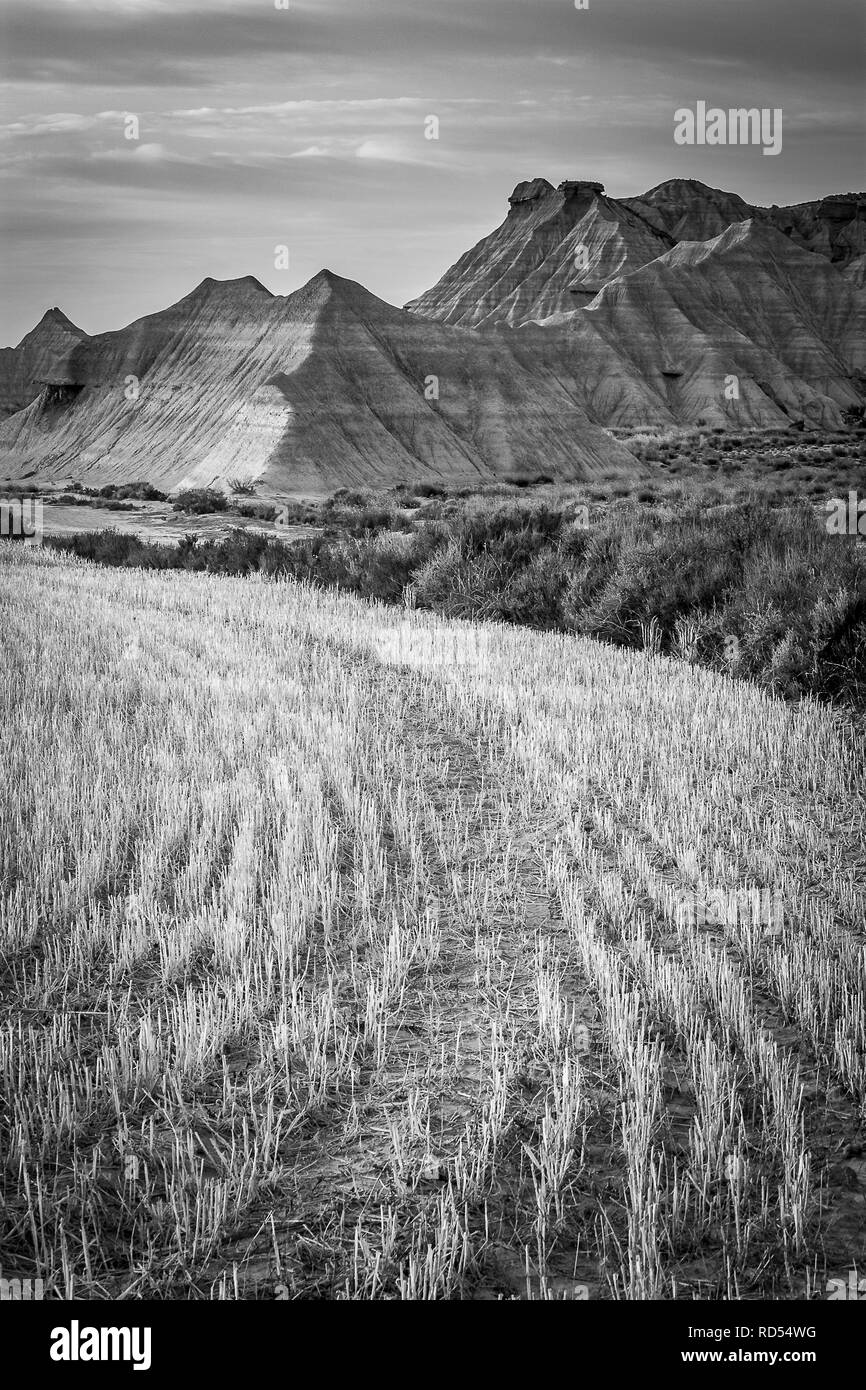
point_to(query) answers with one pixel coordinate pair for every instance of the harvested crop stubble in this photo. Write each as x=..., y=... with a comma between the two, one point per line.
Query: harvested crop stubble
x=343, y=955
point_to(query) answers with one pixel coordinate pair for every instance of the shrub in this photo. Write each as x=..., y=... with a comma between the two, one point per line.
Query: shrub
x=201, y=499
x=138, y=491
x=68, y=499
x=258, y=511
x=679, y=577
x=297, y=513
x=344, y=497
x=429, y=490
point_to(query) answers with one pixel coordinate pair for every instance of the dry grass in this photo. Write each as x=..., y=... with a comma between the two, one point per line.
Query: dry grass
x=352, y=953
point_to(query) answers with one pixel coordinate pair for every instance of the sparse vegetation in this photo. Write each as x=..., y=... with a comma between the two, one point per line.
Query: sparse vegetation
x=200, y=499
x=139, y=492
x=98, y=503
x=773, y=597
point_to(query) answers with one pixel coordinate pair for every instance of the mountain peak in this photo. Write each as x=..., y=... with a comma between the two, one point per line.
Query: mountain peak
x=56, y=317
x=533, y=190
x=52, y=324
x=670, y=185
x=240, y=288
x=326, y=289
x=555, y=247
x=328, y=278
x=530, y=191
x=569, y=187
x=348, y=291
x=689, y=210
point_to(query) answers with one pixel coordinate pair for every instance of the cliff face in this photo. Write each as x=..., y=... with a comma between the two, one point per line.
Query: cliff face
x=558, y=246
x=683, y=290
x=834, y=227
x=553, y=252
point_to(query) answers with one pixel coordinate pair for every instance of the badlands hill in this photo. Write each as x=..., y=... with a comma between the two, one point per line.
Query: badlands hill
x=747, y=305
x=834, y=227
x=553, y=252
x=664, y=299
x=530, y=266
x=690, y=211
x=25, y=369
x=578, y=314
x=308, y=392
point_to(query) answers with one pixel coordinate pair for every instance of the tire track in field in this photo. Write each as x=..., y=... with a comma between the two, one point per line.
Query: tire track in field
x=458, y=1092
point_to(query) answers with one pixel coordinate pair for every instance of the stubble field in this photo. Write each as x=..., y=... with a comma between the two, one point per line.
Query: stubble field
x=349, y=952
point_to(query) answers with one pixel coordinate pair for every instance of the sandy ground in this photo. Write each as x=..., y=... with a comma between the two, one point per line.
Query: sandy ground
x=156, y=522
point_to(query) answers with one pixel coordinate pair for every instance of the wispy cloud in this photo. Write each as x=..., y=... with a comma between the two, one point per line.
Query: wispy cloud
x=307, y=126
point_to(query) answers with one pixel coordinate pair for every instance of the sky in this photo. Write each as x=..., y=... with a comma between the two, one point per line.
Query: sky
x=276, y=138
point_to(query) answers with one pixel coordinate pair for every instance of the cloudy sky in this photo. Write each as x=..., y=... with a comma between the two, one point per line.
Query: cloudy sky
x=262, y=123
